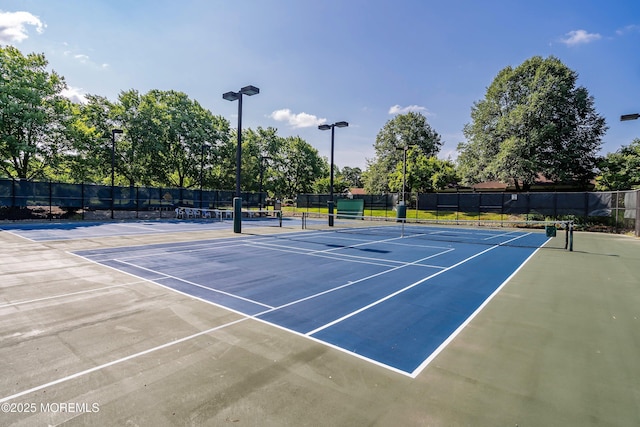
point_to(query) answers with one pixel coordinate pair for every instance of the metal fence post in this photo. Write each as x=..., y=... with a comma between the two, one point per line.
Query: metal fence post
x=637, y=213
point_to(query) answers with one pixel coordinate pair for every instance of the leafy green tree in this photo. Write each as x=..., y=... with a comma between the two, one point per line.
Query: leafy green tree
x=168, y=140
x=180, y=132
x=424, y=174
x=533, y=120
x=402, y=131
x=90, y=159
x=34, y=116
x=352, y=176
x=260, y=149
x=376, y=177
x=620, y=170
x=323, y=185
x=297, y=166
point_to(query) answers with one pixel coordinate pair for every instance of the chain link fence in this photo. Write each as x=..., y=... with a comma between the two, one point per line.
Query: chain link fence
x=614, y=211
x=22, y=199
x=617, y=211
x=609, y=210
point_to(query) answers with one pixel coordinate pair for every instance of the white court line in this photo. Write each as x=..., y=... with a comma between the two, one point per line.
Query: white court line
x=381, y=300
x=464, y=324
x=372, y=242
x=169, y=276
x=165, y=249
x=117, y=361
x=339, y=257
x=347, y=285
x=152, y=229
x=501, y=235
x=370, y=261
x=19, y=235
x=352, y=258
x=390, y=263
x=68, y=294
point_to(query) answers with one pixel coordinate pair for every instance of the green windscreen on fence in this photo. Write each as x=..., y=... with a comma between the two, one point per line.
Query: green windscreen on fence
x=350, y=207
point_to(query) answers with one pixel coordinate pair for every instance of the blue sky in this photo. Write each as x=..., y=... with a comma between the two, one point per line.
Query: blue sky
x=331, y=60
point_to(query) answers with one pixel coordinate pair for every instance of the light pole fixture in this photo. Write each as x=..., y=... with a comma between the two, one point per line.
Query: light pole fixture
x=404, y=170
x=237, y=202
x=331, y=202
x=262, y=159
x=626, y=117
x=113, y=163
x=204, y=145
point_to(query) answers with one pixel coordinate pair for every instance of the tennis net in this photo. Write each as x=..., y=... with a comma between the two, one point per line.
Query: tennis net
x=266, y=217
x=521, y=233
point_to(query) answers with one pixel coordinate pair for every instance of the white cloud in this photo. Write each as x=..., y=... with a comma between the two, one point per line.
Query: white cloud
x=580, y=37
x=628, y=29
x=300, y=120
x=74, y=94
x=12, y=26
x=84, y=59
x=397, y=109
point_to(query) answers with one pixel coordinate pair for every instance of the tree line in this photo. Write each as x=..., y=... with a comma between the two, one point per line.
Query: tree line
x=533, y=121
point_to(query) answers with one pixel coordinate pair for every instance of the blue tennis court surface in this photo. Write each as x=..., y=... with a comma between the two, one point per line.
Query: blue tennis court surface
x=394, y=301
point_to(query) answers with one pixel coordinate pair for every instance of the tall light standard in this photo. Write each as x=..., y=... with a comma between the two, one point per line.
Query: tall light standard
x=262, y=159
x=332, y=127
x=624, y=118
x=113, y=162
x=204, y=145
x=404, y=171
x=237, y=201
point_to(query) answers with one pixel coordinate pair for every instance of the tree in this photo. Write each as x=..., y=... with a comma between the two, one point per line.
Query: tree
x=620, y=170
x=352, y=176
x=260, y=149
x=180, y=132
x=402, y=131
x=168, y=140
x=34, y=116
x=533, y=120
x=90, y=157
x=297, y=166
x=423, y=174
x=323, y=185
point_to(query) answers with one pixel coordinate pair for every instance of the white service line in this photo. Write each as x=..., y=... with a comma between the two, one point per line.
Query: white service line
x=348, y=284
x=168, y=276
x=381, y=300
x=117, y=361
x=464, y=324
x=69, y=294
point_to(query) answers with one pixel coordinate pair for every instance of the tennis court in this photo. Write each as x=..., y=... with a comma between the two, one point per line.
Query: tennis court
x=281, y=326
x=393, y=301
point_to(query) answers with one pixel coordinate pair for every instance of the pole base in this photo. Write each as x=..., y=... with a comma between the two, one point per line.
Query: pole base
x=330, y=205
x=237, y=215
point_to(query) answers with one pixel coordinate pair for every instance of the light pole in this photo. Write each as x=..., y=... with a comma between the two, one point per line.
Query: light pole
x=332, y=127
x=626, y=117
x=202, y=169
x=404, y=170
x=113, y=162
x=237, y=201
x=262, y=158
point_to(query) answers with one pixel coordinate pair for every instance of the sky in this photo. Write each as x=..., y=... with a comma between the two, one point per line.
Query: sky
x=323, y=61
